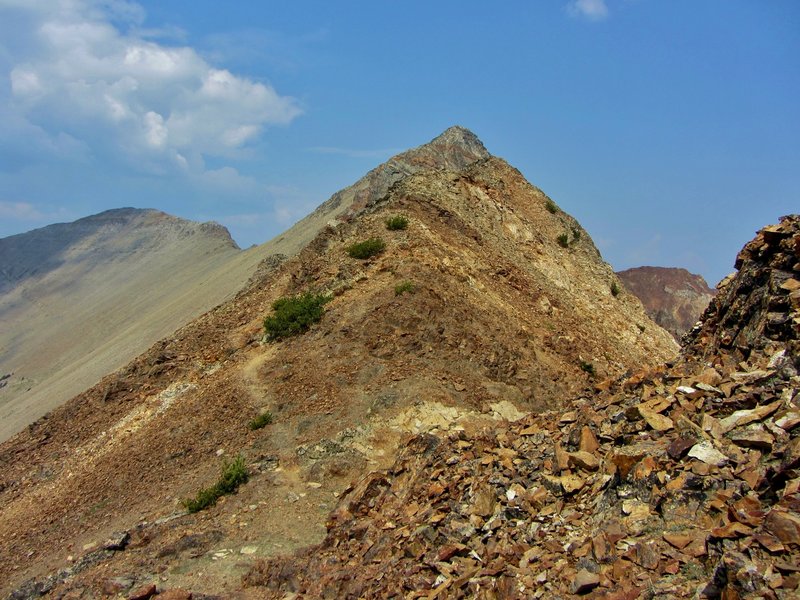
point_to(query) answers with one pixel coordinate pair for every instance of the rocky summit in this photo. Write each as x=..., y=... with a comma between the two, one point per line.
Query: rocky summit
x=456, y=297
x=672, y=297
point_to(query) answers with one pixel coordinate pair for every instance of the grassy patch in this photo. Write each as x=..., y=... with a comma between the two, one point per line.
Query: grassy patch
x=551, y=207
x=404, y=287
x=367, y=248
x=234, y=474
x=294, y=314
x=614, y=289
x=576, y=235
x=588, y=367
x=396, y=223
x=261, y=421
x=563, y=240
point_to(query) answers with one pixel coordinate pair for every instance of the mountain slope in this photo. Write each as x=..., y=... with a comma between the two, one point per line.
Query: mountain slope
x=81, y=299
x=680, y=482
x=673, y=298
x=502, y=319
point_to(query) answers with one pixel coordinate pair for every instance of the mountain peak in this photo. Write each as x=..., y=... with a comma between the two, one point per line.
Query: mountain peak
x=455, y=148
x=461, y=136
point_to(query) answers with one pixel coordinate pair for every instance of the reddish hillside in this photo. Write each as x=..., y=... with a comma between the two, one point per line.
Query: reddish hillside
x=673, y=298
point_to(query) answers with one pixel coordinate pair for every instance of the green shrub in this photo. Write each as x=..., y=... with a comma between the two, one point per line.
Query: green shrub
x=367, y=248
x=261, y=421
x=576, y=234
x=234, y=474
x=396, y=223
x=405, y=286
x=563, y=240
x=588, y=368
x=551, y=207
x=641, y=328
x=614, y=289
x=294, y=314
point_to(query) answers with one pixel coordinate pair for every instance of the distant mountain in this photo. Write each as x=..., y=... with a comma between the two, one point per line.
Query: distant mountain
x=674, y=298
x=491, y=303
x=78, y=300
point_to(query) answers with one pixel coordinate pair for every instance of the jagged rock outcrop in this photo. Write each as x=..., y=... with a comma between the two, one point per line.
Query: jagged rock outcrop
x=491, y=303
x=758, y=304
x=673, y=298
x=678, y=482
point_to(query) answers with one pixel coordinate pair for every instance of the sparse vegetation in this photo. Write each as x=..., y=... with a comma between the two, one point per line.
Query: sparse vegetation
x=614, y=289
x=404, y=287
x=563, y=240
x=261, y=421
x=294, y=314
x=234, y=473
x=367, y=248
x=641, y=327
x=588, y=367
x=396, y=223
x=576, y=234
x=551, y=207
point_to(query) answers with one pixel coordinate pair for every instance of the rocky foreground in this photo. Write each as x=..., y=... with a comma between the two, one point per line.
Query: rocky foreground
x=676, y=482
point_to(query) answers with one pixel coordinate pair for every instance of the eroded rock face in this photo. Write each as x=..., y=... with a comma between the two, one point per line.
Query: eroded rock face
x=673, y=298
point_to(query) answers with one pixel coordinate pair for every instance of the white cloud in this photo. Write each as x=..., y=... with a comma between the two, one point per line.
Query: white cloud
x=595, y=10
x=93, y=74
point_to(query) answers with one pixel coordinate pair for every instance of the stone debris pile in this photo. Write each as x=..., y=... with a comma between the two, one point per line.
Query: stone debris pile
x=683, y=481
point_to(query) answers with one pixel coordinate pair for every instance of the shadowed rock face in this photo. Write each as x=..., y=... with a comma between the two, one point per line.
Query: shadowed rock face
x=760, y=302
x=673, y=298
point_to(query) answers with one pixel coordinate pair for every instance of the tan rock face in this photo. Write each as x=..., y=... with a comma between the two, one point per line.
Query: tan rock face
x=673, y=298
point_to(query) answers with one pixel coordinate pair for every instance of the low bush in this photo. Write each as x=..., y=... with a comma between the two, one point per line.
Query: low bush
x=576, y=234
x=261, y=421
x=294, y=314
x=396, y=223
x=551, y=207
x=405, y=286
x=614, y=288
x=563, y=240
x=367, y=248
x=588, y=368
x=234, y=474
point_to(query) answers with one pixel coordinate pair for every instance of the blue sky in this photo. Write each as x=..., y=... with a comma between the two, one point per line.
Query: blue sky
x=670, y=129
